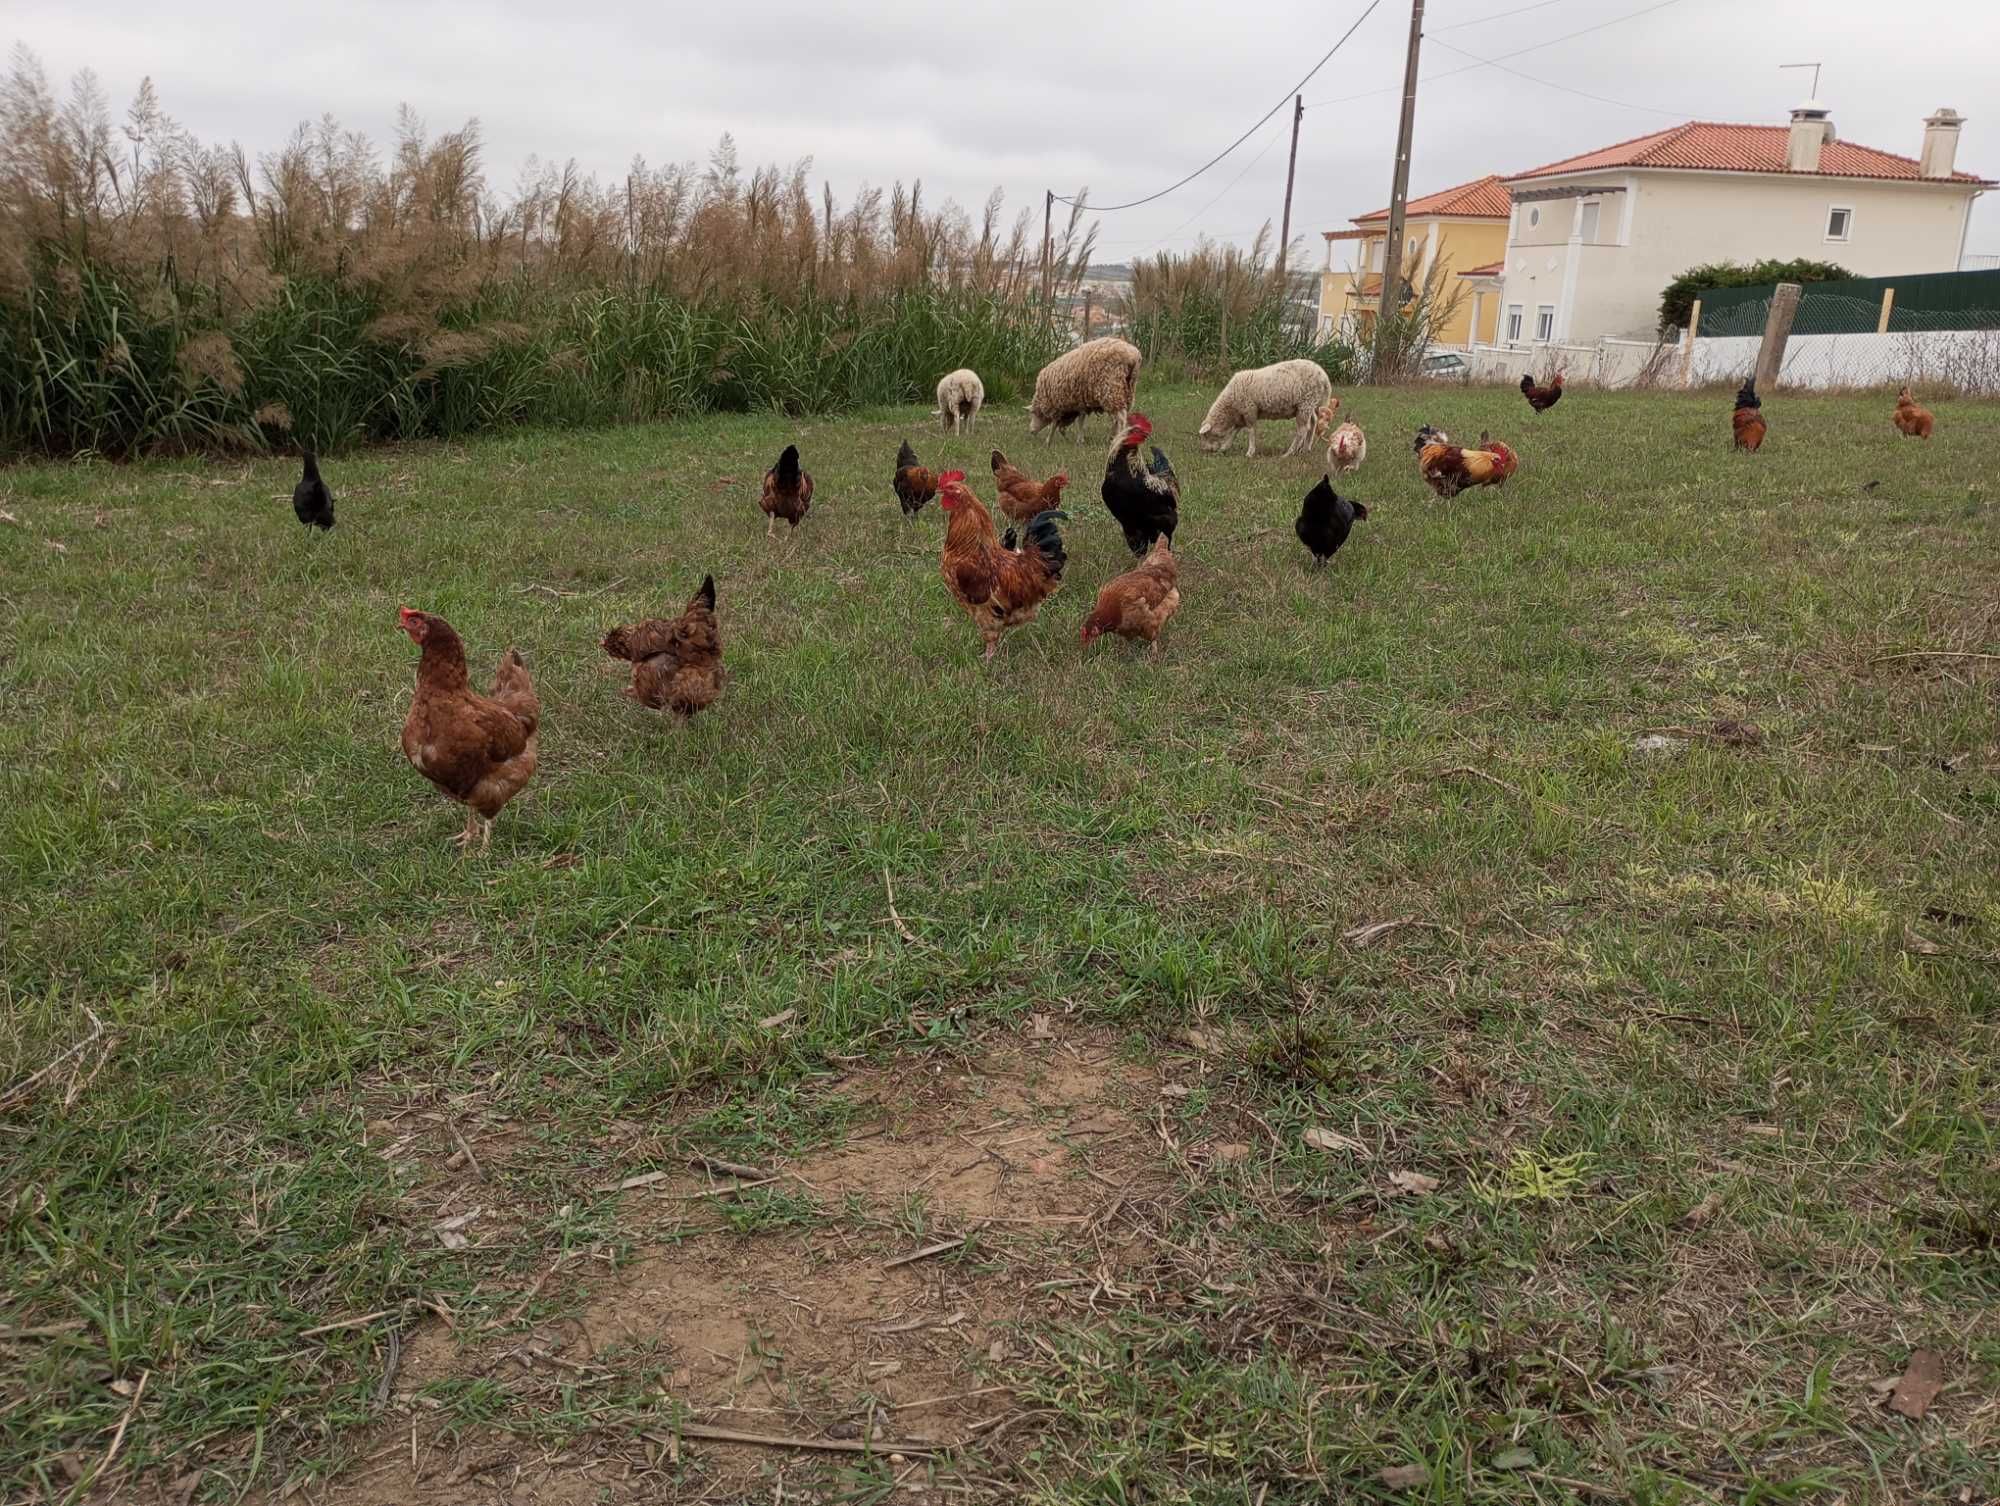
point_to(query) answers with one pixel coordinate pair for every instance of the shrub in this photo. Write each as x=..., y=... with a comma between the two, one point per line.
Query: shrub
x=1677, y=298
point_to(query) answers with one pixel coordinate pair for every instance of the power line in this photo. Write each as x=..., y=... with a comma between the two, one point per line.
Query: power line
x=1431, y=31
x=1275, y=137
x=1624, y=104
x=1288, y=94
x=1503, y=57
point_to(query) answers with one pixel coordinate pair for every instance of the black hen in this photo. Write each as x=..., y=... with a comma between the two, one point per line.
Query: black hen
x=1145, y=499
x=1325, y=520
x=310, y=499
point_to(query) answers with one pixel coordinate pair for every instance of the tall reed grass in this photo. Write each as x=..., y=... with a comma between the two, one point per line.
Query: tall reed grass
x=159, y=293
x=1217, y=309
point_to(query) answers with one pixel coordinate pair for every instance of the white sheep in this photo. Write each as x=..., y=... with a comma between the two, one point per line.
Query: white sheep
x=1346, y=446
x=1290, y=389
x=960, y=396
x=1099, y=376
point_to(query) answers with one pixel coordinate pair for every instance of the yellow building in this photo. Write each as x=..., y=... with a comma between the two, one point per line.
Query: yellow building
x=1461, y=231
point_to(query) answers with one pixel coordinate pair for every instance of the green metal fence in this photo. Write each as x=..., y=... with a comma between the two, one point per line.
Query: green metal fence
x=1920, y=303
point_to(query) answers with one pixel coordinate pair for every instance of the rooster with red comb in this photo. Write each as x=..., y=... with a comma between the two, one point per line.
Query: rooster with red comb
x=1145, y=499
x=1000, y=587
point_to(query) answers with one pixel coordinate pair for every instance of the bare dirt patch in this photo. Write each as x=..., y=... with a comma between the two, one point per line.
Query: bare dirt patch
x=790, y=1306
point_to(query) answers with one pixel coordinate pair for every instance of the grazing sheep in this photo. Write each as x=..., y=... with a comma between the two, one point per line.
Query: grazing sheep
x=1099, y=376
x=960, y=396
x=1290, y=389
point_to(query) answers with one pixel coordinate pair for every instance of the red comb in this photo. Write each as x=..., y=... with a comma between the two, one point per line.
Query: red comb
x=950, y=476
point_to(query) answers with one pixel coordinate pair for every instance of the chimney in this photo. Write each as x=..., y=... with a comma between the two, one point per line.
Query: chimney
x=1812, y=128
x=1940, y=143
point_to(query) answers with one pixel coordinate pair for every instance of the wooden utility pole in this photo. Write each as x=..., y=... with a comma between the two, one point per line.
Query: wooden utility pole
x=1777, y=330
x=1291, y=172
x=1048, y=233
x=1687, y=344
x=1399, y=191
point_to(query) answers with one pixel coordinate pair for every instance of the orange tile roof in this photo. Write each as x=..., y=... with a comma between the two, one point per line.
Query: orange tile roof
x=1491, y=269
x=1740, y=149
x=1485, y=199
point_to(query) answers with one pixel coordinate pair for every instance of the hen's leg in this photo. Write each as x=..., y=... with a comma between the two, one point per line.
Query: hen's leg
x=463, y=841
x=771, y=526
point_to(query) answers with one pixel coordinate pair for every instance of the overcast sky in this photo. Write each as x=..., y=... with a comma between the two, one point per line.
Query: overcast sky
x=1123, y=96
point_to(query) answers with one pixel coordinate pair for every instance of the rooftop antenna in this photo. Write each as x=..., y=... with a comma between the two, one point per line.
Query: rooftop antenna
x=1815, y=68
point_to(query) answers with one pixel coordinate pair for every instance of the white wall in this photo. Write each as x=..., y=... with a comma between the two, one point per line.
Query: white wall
x=1967, y=360
x=1679, y=219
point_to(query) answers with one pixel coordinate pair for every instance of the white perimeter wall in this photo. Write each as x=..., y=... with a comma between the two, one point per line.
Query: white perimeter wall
x=1966, y=360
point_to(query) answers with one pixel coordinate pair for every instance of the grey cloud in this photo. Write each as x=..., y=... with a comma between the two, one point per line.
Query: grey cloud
x=1120, y=95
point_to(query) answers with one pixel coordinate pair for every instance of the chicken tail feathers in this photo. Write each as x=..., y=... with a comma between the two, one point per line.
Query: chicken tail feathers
x=1045, y=539
x=905, y=457
x=513, y=689
x=788, y=467
x=618, y=643
x=706, y=595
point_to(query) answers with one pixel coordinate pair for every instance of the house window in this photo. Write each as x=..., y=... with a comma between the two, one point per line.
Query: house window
x=1545, y=322
x=1513, y=323
x=1590, y=224
x=1375, y=252
x=1838, y=221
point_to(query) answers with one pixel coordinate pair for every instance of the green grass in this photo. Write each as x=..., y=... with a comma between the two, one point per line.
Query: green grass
x=1626, y=983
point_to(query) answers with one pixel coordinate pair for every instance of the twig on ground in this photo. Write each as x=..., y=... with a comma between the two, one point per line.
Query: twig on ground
x=532, y=1293
x=568, y=595
x=823, y=1445
x=117, y=1438
x=394, y=1363
x=39, y=1331
x=26, y=1088
x=730, y=1191
x=471, y=1160
x=925, y=1253
x=730, y=1168
x=361, y=1322
x=1933, y=653
x=902, y=930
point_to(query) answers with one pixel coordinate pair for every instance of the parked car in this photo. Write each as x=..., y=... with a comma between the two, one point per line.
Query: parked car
x=1445, y=366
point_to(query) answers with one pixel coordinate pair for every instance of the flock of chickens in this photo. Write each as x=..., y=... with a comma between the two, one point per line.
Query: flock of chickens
x=482, y=749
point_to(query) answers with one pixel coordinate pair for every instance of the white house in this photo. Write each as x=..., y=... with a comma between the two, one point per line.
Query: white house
x=1593, y=239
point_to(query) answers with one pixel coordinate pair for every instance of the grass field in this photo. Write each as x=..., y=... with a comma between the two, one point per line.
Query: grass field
x=1340, y=1048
